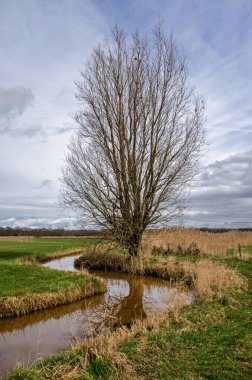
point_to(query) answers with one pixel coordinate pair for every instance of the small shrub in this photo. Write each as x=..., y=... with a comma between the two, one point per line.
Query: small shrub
x=191, y=250
x=161, y=251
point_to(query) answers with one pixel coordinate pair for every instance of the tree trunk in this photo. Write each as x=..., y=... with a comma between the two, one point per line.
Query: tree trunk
x=134, y=251
x=134, y=245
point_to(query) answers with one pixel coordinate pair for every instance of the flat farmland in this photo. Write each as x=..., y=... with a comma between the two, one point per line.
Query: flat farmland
x=15, y=248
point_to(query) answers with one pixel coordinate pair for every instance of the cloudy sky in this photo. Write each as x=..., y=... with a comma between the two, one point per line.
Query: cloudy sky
x=43, y=44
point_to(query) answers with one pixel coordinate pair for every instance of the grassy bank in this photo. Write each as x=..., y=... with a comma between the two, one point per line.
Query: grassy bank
x=42, y=288
x=27, y=288
x=210, y=339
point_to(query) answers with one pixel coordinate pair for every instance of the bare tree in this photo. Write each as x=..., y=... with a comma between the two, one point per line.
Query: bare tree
x=139, y=137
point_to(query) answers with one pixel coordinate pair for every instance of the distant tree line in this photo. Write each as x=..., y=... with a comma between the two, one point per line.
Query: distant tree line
x=40, y=232
x=222, y=230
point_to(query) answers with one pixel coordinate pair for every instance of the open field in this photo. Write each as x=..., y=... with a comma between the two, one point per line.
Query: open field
x=39, y=247
x=26, y=288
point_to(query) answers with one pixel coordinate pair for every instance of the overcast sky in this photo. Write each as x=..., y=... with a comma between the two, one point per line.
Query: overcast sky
x=43, y=44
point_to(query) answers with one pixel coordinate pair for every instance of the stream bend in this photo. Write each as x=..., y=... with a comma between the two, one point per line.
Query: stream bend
x=27, y=338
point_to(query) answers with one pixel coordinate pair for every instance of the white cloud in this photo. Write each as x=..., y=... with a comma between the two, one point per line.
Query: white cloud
x=13, y=102
x=67, y=222
x=224, y=193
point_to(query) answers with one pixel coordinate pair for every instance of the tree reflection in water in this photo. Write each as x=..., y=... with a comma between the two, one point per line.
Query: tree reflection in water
x=131, y=307
x=124, y=304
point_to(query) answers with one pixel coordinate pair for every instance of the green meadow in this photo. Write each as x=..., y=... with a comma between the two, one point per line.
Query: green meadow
x=41, y=247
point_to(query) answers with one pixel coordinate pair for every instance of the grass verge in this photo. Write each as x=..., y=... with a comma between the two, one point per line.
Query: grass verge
x=70, y=288
x=24, y=289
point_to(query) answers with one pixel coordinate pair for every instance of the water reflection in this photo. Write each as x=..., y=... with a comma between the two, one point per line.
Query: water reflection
x=65, y=263
x=27, y=338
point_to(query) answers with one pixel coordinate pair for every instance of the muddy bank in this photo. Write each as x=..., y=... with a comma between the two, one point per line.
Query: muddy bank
x=40, y=259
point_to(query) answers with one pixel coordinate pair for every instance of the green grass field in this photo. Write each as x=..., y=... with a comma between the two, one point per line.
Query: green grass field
x=11, y=250
x=18, y=280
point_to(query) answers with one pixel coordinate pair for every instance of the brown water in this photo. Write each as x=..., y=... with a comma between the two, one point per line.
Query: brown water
x=27, y=338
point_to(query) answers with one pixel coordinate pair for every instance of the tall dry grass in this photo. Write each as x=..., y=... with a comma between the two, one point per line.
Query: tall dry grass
x=205, y=278
x=207, y=243
x=17, y=238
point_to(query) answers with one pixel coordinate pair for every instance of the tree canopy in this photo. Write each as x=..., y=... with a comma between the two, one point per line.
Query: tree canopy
x=140, y=133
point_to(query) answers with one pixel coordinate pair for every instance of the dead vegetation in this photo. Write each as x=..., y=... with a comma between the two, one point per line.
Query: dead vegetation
x=177, y=240
x=102, y=258
x=25, y=239
x=205, y=278
x=21, y=305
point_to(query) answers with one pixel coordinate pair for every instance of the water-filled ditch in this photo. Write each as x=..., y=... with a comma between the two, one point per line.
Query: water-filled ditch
x=27, y=338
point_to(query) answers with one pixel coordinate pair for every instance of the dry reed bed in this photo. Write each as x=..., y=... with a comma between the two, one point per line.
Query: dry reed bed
x=23, y=239
x=21, y=305
x=205, y=278
x=207, y=242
